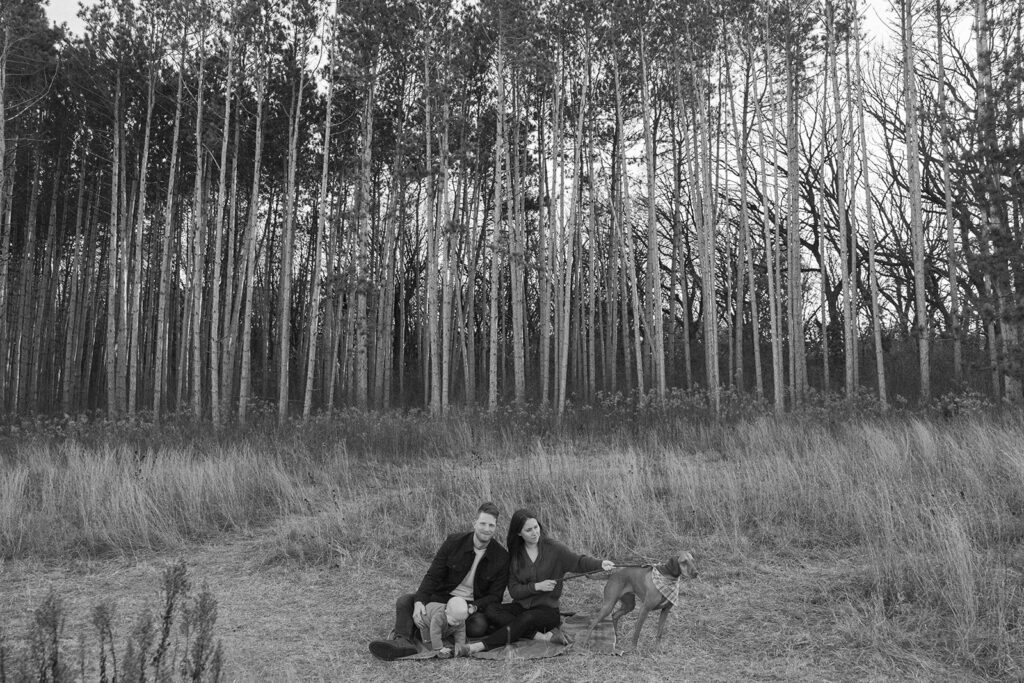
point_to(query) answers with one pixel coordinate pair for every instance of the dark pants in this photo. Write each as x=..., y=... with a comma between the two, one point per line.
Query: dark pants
x=514, y=621
x=476, y=625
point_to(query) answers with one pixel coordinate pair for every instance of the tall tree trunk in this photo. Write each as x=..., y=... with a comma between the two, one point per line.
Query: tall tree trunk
x=199, y=248
x=69, y=374
x=499, y=147
x=517, y=253
x=544, y=274
x=135, y=362
x=849, y=324
x=362, y=270
x=215, y=313
x=433, y=331
x=876, y=320
x=5, y=228
x=446, y=243
x=988, y=184
x=742, y=134
x=321, y=222
x=952, y=258
x=284, y=321
x=914, y=188
x=249, y=260
x=162, y=332
x=706, y=247
x=655, y=331
x=798, y=352
x=115, y=406
x=626, y=238
x=233, y=285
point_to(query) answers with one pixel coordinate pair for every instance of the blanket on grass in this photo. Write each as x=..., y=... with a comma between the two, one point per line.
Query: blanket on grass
x=602, y=641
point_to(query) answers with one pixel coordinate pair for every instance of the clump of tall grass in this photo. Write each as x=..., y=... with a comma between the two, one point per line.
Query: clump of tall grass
x=151, y=650
x=60, y=499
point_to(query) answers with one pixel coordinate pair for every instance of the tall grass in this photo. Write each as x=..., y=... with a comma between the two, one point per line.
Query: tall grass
x=935, y=508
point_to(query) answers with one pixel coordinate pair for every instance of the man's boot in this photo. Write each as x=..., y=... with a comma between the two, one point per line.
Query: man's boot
x=395, y=648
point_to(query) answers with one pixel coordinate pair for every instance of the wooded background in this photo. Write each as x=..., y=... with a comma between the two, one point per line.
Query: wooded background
x=383, y=203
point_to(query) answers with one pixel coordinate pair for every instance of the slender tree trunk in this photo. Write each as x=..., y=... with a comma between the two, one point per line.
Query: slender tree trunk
x=232, y=305
x=706, y=248
x=140, y=221
x=199, y=250
x=543, y=257
x=362, y=270
x=655, y=331
x=844, y=232
x=626, y=241
x=115, y=406
x=433, y=345
x=69, y=375
x=446, y=243
x=249, y=261
x=287, y=246
x=914, y=188
x=5, y=225
x=517, y=254
x=947, y=191
x=321, y=222
x=215, y=314
x=162, y=336
x=798, y=352
x=499, y=147
x=876, y=321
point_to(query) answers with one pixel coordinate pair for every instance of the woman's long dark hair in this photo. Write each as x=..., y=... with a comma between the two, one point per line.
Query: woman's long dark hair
x=514, y=541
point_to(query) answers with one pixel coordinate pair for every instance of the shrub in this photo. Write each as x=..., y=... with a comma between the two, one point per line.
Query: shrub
x=193, y=654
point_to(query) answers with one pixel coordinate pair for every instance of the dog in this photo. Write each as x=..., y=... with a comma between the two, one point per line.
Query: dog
x=631, y=583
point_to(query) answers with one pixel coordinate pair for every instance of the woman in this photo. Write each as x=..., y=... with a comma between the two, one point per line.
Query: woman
x=536, y=567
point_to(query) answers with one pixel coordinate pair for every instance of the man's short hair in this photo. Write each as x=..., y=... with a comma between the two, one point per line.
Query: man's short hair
x=490, y=508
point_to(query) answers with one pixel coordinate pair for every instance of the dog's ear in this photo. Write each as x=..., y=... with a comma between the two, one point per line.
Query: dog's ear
x=673, y=567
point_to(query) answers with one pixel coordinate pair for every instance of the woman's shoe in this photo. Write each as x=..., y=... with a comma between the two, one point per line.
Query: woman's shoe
x=558, y=637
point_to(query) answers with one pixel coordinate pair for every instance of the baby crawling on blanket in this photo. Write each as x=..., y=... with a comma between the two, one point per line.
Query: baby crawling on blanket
x=442, y=621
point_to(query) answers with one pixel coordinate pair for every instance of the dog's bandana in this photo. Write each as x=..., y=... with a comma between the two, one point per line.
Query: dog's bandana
x=668, y=586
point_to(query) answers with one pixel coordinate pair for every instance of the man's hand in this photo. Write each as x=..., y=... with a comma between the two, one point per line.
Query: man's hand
x=444, y=652
x=546, y=586
x=419, y=613
x=607, y=565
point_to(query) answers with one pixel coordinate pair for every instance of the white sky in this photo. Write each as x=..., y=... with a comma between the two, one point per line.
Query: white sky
x=66, y=11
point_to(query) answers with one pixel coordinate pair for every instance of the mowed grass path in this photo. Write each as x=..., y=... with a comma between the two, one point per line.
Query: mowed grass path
x=833, y=546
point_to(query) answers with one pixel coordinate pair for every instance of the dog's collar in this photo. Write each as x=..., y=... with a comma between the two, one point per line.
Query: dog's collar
x=668, y=586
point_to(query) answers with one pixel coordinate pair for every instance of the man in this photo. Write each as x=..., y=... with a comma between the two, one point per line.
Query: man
x=468, y=565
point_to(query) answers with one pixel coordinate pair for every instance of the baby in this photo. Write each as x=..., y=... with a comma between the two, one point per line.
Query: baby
x=444, y=620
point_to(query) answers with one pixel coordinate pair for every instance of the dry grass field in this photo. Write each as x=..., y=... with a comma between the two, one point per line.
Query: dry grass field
x=860, y=547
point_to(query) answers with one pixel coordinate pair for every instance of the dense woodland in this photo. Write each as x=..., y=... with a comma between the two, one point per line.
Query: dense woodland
x=373, y=203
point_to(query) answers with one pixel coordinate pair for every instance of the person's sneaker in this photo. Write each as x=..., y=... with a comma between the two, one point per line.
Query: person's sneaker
x=390, y=650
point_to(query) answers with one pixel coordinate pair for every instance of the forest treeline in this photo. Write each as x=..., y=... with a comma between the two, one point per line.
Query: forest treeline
x=371, y=203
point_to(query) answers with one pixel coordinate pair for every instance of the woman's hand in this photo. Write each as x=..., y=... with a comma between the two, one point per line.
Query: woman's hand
x=607, y=565
x=545, y=586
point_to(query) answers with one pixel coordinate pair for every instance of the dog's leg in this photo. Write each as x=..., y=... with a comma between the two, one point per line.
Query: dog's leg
x=640, y=618
x=611, y=598
x=628, y=604
x=605, y=610
x=661, y=624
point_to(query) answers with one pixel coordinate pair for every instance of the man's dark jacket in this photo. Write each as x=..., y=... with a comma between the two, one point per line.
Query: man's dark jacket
x=452, y=563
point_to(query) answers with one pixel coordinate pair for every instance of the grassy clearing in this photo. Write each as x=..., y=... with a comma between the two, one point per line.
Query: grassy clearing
x=934, y=509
